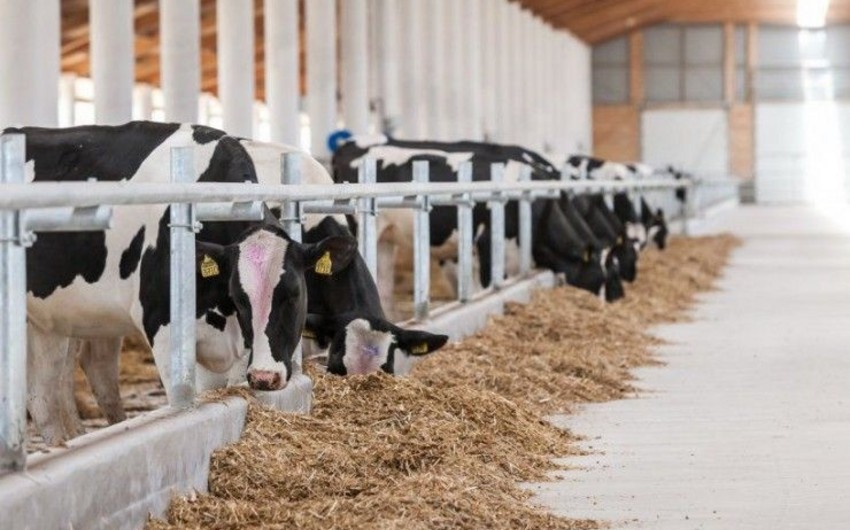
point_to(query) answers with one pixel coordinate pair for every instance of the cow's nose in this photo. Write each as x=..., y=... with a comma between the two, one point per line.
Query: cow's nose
x=264, y=380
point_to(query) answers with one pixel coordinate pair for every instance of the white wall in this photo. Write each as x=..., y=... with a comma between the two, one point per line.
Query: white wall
x=694, y=139
x=802, y=152
x=578, y=129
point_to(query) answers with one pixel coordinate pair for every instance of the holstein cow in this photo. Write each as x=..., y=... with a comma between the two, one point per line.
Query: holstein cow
x=553, y=246
x=346, y=316
x=251, y=292
x=345, y=304
x=348, y=291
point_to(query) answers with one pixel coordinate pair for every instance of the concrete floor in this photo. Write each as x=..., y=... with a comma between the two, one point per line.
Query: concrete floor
x=748, y=424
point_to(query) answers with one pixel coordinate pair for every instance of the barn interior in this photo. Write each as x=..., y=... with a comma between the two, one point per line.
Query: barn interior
x=712, y=397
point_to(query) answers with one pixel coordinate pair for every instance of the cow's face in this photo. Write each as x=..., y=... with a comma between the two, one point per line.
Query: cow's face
x=626, y=255
x=264, y=277
x=366, y=345
x=658, y=230
x=591, y=274
x=613, y=282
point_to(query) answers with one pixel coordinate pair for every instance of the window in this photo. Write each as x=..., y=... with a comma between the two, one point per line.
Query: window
x=611, y=72
x=684, y=63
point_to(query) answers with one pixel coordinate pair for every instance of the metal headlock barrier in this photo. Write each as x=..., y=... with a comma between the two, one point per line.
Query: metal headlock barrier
x=28, y=208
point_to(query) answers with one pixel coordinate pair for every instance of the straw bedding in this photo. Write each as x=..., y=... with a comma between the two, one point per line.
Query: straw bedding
x=446, y=447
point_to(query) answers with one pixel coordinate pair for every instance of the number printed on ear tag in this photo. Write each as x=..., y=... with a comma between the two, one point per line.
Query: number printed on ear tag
x=324, y=265
x=419, y=349
x=209, y=267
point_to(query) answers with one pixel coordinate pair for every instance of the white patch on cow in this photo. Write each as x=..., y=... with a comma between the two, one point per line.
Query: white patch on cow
x=366, y=350
x=610, y=171
x=398, y=156
x=636, y=231
x=260, y=267
x=217, y=350
x=651, y=233
x=29, y=170
x=267, y=158
x=365, y=141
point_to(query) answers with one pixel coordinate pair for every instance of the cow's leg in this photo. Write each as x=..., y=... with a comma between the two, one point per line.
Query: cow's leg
x=50, y=380
x=162, y=357
x=99, y=359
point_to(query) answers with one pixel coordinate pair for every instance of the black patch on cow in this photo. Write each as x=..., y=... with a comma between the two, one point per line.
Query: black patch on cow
x=204, y=135
x=132, y=255
x=56, y=259
x=215, y=320
x=93, y=151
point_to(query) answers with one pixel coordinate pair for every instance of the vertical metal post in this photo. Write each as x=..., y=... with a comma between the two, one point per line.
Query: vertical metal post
x=497, y=229
x=367, y=225
x=421, y=247
x=13, y=311
x=465, y=237
x=182, y=285
x=525, y=236
x=290, y=213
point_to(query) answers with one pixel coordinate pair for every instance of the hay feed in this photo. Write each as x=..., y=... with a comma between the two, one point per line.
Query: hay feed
x=381, y=452
x=446, y=448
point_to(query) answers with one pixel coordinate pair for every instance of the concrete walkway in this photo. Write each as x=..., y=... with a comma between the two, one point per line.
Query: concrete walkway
x=748, y=424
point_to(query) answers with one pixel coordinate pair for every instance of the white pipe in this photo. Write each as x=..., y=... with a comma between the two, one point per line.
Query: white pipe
x=283, y=87
x=67, y=103
x=354, y=62
x=180, y=58
x=321, y=74
x=112, y=60
x=236, y=74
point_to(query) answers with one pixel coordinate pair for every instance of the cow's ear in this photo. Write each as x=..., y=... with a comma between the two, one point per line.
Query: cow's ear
x=210, y=260
x=416, y=342
x=330, y=255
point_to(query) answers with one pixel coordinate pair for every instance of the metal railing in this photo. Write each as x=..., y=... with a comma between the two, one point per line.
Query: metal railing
x=26, y=208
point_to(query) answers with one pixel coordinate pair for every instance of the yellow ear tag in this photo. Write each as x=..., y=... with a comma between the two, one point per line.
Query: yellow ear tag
x=324, y=265
x=620, y=240
x=586, y=256
x=209, y=267
x=308, y=334
x=419, y=349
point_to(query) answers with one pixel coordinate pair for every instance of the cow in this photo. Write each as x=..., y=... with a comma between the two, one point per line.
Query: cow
x=395, y=160
x=251, y=301
x=346, y=317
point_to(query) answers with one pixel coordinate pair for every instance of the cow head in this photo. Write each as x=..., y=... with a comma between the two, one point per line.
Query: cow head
x=656, y=226
x=613, y=281
x=364, y=345
x=262, y=274
x=625, y=253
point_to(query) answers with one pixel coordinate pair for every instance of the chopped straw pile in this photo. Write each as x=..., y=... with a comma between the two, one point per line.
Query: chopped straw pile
x=446, y=447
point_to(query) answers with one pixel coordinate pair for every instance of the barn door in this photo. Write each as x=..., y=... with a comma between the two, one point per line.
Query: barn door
x=693, y=139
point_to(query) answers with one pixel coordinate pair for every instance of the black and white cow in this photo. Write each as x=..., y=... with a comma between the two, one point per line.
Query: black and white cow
x=345, y=316
x=552, y=246
x=251, y=292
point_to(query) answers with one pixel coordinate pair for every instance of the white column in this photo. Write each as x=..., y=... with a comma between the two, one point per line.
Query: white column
x=473, y=97
x=112, y=59
x=455, y=73
x=435, y=69
x=282, y=74
x=321, y=73
x=387, y=58
x=236, y=75
x=47, y=37
x=489, y=62
x=504, y=63
x=67, y=100
x=354, y=59
x=143, y=102
x=411, y=43
x=180, y=58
